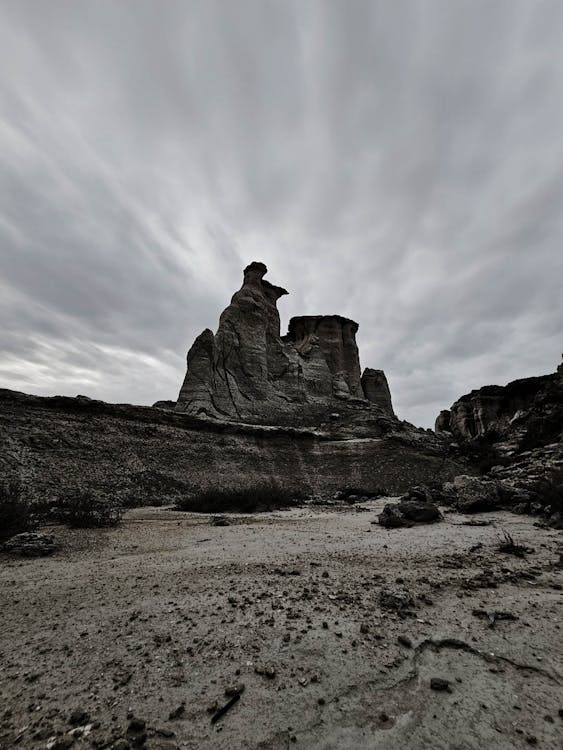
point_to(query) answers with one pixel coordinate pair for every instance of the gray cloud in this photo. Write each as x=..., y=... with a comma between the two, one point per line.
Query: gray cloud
x=400, y=163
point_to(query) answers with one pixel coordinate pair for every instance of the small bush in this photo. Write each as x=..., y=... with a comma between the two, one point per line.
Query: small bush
x=83, y=510
x=255, y=499
x=151, y=487
x=15, y=511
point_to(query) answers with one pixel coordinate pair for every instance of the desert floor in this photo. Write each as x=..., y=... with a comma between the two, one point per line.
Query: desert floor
x=155, y=620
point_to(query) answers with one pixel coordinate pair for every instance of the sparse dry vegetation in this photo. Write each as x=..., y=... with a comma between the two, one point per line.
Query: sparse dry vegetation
x=15, y=510
x=260, y=498
x=83, y=509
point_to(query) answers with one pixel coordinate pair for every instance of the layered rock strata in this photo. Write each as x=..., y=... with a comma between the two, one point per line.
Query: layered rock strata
x=248, y=372
x=513, y=435
x=140, y=454
x=521, y=407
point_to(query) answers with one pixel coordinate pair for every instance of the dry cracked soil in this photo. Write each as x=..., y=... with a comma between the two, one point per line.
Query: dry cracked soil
x=302, y=619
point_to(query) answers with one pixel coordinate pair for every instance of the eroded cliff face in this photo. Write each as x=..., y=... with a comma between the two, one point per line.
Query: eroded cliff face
x=248, y=372
x=501, y=412
x=141, y=454
x=512, y=435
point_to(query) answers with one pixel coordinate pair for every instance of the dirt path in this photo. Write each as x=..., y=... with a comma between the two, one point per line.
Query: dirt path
x=164, y=614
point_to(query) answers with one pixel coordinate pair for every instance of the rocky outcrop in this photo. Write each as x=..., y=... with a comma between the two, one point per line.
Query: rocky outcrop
x=501, y=411
x=327, y=347
x=248, y=372
x=442, y=423
x=513, y=437
x=30, y=544
x=376, y=390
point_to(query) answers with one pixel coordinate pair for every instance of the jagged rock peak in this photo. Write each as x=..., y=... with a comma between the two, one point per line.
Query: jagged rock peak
x=248, y=372
x=254, y=275
x=376, y=389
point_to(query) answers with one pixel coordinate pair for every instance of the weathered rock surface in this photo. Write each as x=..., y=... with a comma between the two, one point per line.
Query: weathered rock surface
x=141, y=455
x=30, y=544
x=408, y=512
x=471, y=494
x=513, y=436
x=531, y=405
x=248, y=372
x=376, y=389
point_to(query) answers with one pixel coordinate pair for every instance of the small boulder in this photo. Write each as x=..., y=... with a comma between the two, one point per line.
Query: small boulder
x=30, y=544
x=220, y=521
x=439, y=684
x=419, y=511
x=392, y=518
x=396, y=599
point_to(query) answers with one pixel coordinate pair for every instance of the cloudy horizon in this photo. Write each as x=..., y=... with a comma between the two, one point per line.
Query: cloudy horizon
x=398, y=163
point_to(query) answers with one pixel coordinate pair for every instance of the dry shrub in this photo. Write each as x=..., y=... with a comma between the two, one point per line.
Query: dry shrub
x=15, y=511
x=255, y=499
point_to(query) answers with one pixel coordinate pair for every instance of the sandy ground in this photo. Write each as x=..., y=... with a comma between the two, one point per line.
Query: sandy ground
x=155, y=620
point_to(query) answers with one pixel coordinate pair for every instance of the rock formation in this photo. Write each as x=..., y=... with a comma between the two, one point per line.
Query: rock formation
x=248, y=372
x=513, y=436
x=376, y=389
x=500, y=411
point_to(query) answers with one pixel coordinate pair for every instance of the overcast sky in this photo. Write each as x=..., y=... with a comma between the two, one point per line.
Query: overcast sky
x=399, y=163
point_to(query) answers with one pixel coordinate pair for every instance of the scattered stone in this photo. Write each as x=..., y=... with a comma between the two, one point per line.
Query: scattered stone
x=403, y=640
x=177, y=712
x=396, y=599
x=267, y=670
x=220, y=521
x=439, y=684
x=136, y=725
x=78, y=716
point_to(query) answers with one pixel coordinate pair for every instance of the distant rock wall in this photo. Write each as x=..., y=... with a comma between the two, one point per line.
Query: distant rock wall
x=247, y=372
x=501, y=411
x=135, y=453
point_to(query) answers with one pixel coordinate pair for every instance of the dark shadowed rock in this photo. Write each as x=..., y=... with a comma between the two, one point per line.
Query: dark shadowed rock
x=513, y=437
x=392, y=518
x=30, y=544
x=170, y=405
x=530, y=410
x=376, y=389
x=443, y=421
x=407, y=512
x=473, y=494
x=419, y=511
x=396, y=599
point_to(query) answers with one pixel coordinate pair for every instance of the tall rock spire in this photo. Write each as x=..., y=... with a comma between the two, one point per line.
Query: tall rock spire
x=248, y=372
